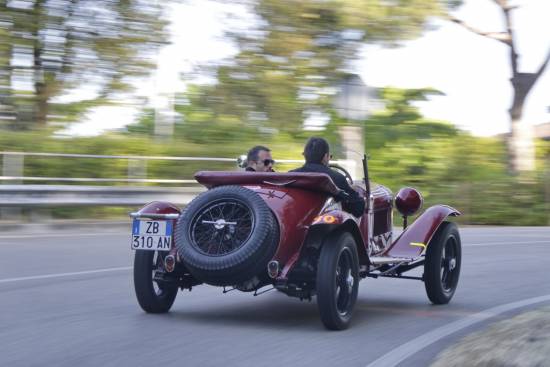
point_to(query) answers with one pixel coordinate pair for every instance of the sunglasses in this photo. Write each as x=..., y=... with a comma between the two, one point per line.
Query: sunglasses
x=267, y=162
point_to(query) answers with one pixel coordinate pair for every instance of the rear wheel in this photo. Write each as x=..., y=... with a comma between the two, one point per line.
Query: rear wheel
x=337, y=281
x=152, y=296
x=442, y=265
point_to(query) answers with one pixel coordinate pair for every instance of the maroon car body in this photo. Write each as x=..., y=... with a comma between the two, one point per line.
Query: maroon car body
x=307, y=215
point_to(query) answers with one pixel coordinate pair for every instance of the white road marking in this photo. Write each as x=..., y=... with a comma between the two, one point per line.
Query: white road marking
x=42, y=235
x=61, y=275
x=522, y=237
x=399, y=354
x=505, y=243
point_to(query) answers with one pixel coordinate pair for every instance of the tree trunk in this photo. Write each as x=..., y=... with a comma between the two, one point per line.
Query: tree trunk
x=6, y=102
x=41, y=104
x=521, y=147
x=40, y=85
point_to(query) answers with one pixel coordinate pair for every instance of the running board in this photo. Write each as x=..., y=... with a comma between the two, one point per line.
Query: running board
x=383, y=260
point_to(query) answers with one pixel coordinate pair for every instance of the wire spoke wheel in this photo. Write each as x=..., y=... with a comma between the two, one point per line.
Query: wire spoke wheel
x=222, y=227
x=226, y=236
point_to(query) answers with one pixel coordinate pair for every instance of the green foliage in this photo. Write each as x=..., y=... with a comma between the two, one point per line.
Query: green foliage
x=448, y=166
x=452, y=167
x=289, y=65
x=55, y=48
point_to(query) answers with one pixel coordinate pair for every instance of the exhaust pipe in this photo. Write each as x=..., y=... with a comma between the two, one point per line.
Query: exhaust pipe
x=170, y=263
x=273, y=269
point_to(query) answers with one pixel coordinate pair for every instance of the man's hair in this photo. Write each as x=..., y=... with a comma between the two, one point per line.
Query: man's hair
x=252, y=155
x=315, y=150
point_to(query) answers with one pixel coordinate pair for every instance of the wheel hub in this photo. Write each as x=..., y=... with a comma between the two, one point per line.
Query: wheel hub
x=219, y=224
x=452, y=264
x=350, y=281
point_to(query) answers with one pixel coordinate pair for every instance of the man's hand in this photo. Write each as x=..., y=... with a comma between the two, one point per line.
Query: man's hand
x=342, y=196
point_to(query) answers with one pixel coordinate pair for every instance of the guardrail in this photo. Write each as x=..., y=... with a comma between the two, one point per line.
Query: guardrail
x=14, y=192
x=76, y=195
x=13, y=167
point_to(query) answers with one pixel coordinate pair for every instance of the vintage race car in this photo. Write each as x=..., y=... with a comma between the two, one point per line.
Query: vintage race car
x=255, y=232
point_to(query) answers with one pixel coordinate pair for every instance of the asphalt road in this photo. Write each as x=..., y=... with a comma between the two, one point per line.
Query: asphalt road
x=67, y=299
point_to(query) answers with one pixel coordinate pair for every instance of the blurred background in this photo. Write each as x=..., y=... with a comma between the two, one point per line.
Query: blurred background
x=106, y=96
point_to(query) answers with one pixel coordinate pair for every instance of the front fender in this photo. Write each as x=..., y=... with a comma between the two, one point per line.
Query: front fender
x=410, y=243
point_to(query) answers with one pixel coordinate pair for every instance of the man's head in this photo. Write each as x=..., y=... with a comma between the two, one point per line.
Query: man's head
x=317, y=151
x=259, y=158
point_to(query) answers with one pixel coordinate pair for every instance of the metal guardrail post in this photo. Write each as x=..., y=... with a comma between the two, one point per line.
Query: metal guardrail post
x=12, y=165
x=137, y=169
x=547, y=187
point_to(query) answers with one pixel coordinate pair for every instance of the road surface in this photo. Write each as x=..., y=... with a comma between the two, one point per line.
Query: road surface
x=67, y=299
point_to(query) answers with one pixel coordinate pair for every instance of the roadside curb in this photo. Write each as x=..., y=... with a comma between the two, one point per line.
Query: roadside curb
x=523, y=340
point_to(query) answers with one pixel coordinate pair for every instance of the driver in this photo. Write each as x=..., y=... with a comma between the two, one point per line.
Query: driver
x=317, y=157
x=259, y=159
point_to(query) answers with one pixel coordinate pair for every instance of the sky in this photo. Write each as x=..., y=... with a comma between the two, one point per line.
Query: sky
x=472, y=71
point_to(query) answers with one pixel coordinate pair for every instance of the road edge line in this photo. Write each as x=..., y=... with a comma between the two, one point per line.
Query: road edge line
x=61, y=275
x=399, y=354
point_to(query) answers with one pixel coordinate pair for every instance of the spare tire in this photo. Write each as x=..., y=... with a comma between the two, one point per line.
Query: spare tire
x=227, y=235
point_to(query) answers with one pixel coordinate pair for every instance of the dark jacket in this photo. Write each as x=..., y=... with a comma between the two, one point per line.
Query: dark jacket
x=250, y=169
x=353, y=203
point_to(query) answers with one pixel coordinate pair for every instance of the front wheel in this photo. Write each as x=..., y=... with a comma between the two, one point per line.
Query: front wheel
x=442, y=265
x=152, y=296
x=337, y=281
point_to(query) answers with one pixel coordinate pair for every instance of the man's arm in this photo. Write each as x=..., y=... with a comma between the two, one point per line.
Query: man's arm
x=353, y=203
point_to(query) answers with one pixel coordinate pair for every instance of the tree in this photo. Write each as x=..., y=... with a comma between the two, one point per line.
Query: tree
x=402, y=120
x=290, y=62
x=55, y=48
x=521, y=148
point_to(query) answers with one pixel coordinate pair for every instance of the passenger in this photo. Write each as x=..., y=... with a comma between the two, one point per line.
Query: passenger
x=259, y=159
x=317, y=155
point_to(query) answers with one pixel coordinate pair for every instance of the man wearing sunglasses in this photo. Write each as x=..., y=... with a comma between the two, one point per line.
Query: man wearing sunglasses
x=259, y=159
x=317, y=154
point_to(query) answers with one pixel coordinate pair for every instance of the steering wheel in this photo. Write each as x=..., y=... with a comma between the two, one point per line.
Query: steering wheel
x=343, y=171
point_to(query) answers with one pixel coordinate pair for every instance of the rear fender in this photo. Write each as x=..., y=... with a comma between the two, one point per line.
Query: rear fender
x=157, y=209
x=326, y=225
x=414, y=239
x=160, y=210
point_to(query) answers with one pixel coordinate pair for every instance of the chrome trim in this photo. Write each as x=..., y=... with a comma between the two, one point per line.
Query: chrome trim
x=331, y=204
x=138, y=215
x=279, y=183
x=381, y=260
x=220, y=223
x=273, y=269
x=381, y=241
x=370, y=216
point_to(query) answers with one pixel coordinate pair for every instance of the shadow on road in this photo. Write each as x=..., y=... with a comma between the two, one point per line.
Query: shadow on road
x=279, y=312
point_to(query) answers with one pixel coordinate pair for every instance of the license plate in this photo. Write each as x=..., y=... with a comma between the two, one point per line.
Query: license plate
x=153, y=235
